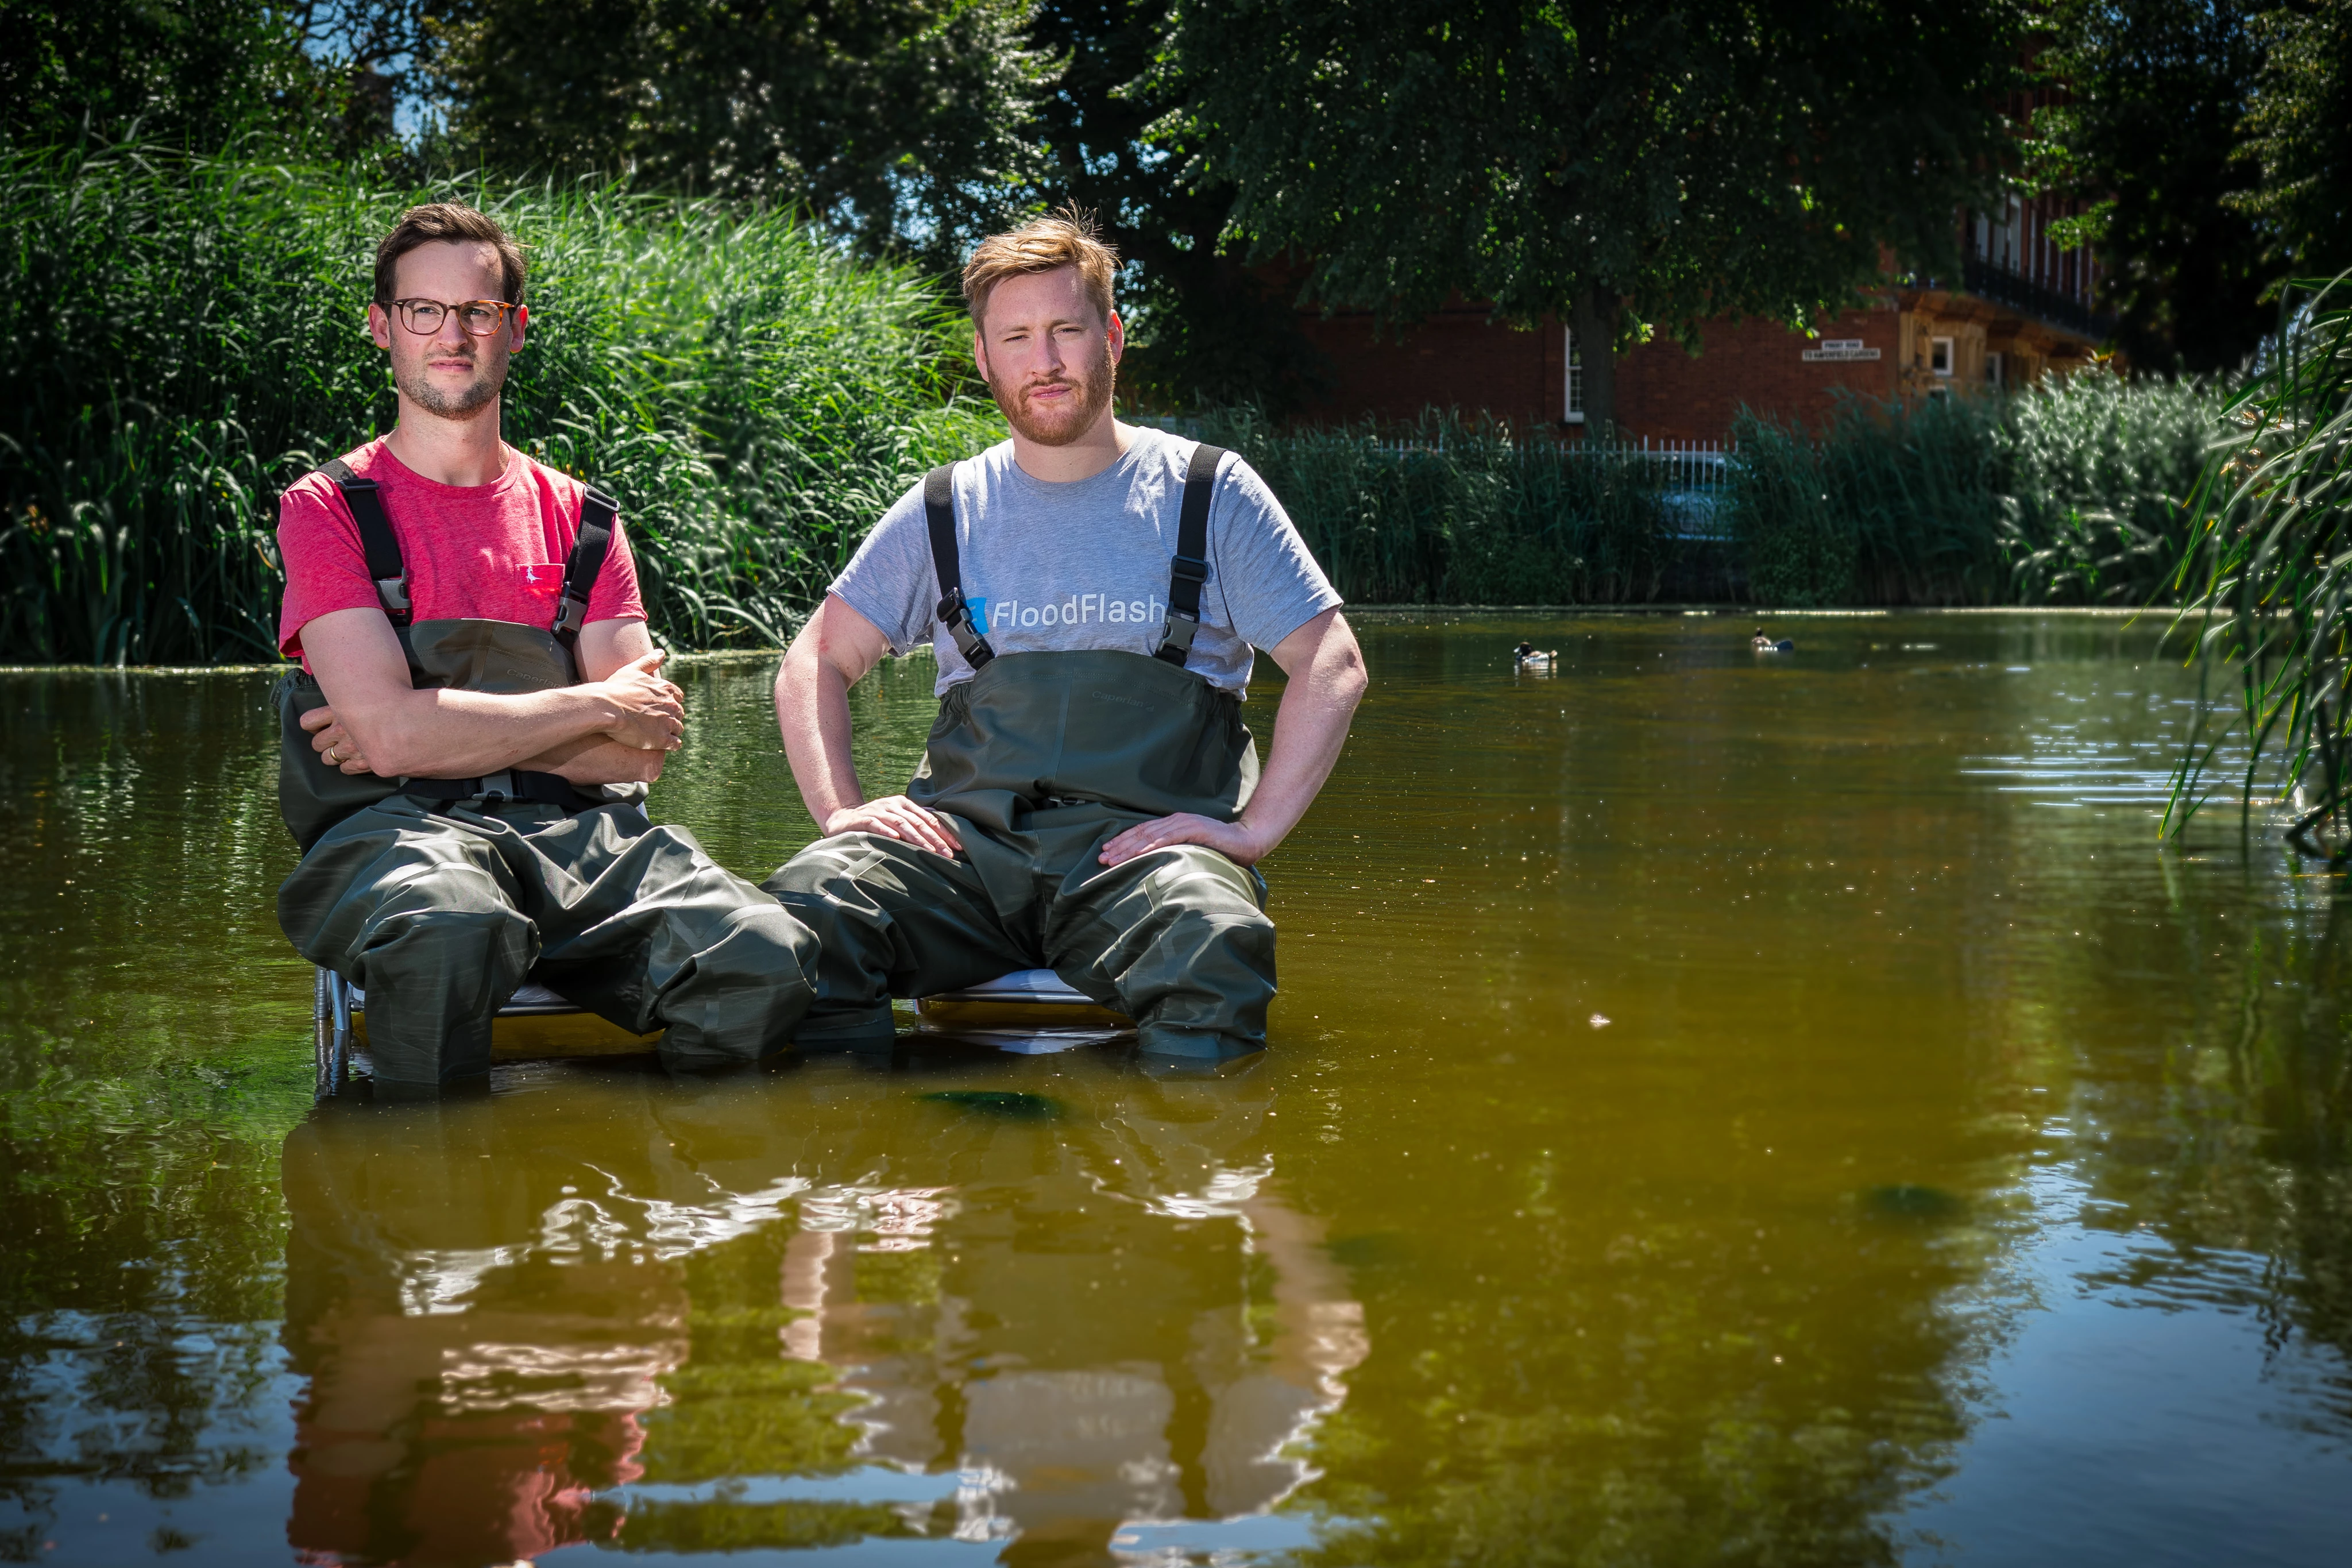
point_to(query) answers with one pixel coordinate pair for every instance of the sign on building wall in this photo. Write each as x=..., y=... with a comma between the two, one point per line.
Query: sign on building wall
x=1839, y=351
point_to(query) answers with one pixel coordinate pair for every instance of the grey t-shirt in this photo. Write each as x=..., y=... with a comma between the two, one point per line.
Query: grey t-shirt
x=1054, y=567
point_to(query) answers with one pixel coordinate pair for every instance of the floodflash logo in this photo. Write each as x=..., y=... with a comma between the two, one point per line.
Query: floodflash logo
x=1074, y=610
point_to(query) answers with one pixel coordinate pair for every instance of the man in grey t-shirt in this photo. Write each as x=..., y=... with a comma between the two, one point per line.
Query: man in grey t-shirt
x=1082, y=563
x=1089, y=801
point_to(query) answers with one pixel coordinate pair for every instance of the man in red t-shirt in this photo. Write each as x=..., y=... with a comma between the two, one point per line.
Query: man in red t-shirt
x=480, y=711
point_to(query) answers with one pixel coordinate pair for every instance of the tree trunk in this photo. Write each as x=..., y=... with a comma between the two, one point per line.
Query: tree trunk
x=1595, y=324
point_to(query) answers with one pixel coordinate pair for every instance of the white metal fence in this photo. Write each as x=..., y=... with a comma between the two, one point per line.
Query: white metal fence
x=1691, y=476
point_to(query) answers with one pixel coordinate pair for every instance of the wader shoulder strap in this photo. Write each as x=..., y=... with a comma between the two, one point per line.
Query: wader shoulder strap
x=1190, y=569
x=939, y=514
x=587, y=562
x=376, y=538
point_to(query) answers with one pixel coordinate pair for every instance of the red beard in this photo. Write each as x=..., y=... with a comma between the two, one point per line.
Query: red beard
x=1068, y=418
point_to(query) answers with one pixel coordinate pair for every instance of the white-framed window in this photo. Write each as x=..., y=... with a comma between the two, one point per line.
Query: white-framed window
x=1940, y=355
x=1571, y=411
x=1993, y=372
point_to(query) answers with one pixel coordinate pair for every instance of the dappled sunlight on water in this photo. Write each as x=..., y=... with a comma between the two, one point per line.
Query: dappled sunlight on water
x=1760, y=1108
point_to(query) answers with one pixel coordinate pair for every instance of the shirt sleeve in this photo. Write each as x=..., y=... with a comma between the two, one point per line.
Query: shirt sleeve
x=1269, y=580
x=614, y=598
x=326, y=569
x=889, y=580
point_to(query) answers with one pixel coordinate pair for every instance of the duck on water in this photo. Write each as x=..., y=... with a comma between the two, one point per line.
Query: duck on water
x=1762, y=642
x=1534, y=658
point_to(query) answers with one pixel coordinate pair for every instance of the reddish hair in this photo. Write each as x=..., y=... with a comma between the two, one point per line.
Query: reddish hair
x=1067, y=238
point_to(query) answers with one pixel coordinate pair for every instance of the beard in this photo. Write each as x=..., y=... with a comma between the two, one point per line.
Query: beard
x=1060, y=426
x=452, y=403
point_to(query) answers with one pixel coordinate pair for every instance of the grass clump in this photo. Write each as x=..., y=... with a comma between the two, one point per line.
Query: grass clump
x=2071, y=494
x=1465, y=511
x=182, y=336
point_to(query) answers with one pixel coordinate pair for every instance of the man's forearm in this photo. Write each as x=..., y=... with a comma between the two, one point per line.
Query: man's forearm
x=442, y=734
x=1310, y=726
x=812, y=713
x=598, y=760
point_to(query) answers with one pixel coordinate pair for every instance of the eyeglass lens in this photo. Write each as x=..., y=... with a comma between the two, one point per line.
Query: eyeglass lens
x=479, y=318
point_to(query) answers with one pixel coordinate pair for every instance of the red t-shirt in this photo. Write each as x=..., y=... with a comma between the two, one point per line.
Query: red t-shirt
x=491, y=552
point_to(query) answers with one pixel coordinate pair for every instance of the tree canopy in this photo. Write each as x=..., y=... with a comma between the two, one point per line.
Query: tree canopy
x=1680, y=159
x=2155, y=96
x=2299, y=129
x=197, y=72
x=1637, y=168
x=1205, y=326
x=898, y=122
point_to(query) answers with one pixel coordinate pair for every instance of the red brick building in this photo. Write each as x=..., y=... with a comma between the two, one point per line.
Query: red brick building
x=2023, y=309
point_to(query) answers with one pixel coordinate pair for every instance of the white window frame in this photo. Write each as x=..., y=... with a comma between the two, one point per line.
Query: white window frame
x=1946, y=350
x=1571, y=401
x=1996, y=370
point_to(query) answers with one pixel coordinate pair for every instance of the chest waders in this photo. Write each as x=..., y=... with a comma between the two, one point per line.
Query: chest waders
x=439, y=896
x=1042, y=758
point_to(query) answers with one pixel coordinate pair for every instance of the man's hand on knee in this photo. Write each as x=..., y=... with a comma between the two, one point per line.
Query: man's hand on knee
x=895, y=816
x=1234, y=840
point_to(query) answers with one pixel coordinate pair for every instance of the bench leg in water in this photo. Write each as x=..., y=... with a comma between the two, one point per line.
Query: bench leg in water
x=330, y=1035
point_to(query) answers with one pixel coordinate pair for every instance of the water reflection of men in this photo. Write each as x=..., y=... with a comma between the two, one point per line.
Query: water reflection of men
x=464, y=1405
x=1127, y=1325
x=551, y=1317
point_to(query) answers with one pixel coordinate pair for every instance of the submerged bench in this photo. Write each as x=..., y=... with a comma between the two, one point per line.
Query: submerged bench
x=1029, y=1010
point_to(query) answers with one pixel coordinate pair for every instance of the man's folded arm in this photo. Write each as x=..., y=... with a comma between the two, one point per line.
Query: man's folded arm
x=625, y=713
x=605, y=647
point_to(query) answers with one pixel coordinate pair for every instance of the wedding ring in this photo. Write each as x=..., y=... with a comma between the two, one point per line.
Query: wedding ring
x=335, y=755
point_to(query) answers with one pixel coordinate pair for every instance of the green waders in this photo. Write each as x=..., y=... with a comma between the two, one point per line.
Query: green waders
x=439, y=896
x=1042, y=758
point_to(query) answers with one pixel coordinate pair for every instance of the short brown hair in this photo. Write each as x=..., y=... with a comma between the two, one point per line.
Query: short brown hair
x=1065, y=238
x=453, y=221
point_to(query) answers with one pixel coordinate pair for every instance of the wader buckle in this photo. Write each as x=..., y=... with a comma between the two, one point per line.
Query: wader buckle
x=1185, y=575
x=956, y=616
x=1188, y=569
x=508, y=786
x=394, y=591
x=571, y=618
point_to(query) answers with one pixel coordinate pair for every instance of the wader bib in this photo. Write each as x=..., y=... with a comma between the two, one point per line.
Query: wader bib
x=1042, y=758
x=439, y=896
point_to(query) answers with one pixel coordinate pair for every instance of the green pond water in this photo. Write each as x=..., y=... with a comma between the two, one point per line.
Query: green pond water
x=1721, y=1108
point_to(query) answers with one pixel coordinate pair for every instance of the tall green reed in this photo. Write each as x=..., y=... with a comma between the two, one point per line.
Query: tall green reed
x=180, y=337
x=2073, y=493
x=1464, y=510
x=2269, y=581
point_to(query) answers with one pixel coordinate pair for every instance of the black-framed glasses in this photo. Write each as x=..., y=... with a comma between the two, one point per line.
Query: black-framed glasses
x=479, y=318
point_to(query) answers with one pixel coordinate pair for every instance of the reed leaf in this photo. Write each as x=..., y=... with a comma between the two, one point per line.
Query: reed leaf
x=2268, y=581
